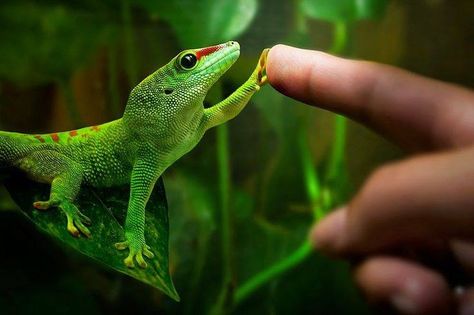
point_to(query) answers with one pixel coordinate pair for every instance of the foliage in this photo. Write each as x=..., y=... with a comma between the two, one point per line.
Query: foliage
x=199, y=23
x=343, y=10
x=107, y=209
x=38, y=46
x=242, y=202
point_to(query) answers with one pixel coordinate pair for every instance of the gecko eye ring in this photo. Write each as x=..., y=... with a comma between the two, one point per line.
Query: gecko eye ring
x=188, y=61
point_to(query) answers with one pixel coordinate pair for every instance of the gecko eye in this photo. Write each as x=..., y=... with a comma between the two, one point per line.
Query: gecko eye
x=188, y=61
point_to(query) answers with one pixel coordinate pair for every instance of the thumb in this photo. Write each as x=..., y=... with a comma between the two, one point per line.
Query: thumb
x=418, y=200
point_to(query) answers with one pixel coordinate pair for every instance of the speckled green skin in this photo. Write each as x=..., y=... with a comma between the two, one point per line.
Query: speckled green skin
x=164, y=119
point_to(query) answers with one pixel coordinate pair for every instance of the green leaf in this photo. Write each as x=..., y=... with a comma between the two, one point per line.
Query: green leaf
x=46, y=43
x=370, y=9
x=200, y=23
x=343, y=10
x=107, y=209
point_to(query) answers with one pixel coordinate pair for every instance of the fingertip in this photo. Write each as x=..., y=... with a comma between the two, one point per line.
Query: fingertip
x=276, y=69
x=329, y=234
x=406, y=286
x=314, y=77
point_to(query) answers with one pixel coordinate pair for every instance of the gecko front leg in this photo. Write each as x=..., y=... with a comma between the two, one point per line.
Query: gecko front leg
x=233, y=105
x=144, y=176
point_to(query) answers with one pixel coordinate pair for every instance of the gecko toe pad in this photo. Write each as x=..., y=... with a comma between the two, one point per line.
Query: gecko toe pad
x=76, y=220
x=260, y=70
x=136, y=254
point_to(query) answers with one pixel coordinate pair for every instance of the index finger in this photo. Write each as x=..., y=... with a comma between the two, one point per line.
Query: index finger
x=415, y=112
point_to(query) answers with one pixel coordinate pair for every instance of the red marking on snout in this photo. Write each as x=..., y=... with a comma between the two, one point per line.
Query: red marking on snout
x=207, y=51
x=39, y=138
x=95, y=128
x=55, y=137
x=73, y=133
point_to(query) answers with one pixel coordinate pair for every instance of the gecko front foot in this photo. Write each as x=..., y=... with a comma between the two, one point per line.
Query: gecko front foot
x=260, y=72
x=138, y=249
x=76, y=220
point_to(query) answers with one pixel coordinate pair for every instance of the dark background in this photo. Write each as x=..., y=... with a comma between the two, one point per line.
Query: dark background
x=66, y=64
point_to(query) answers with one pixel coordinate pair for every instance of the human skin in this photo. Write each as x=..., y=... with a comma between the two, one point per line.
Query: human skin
x=423, y=202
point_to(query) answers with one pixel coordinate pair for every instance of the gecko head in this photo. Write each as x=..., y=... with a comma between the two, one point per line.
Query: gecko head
x=182, y=83
x=193, y=72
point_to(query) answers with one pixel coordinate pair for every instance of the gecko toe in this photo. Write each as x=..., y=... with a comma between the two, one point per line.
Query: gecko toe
x=260, y=71
x=84, y=219
x=147, y=252
x=76, y=227
x=84, y=230
x=76, y=220
x=121, y=245
x=137, y=251
x=129, y=262
x=72, y=229
x=141, y=262
x=41, y=205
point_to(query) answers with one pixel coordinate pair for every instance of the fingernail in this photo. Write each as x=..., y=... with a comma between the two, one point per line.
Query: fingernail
x=326, y=235
x=405, y=300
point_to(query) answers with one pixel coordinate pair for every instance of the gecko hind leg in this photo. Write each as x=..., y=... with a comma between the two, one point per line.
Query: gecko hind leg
x=76, y=220
x=64, y=189
x=65, y=177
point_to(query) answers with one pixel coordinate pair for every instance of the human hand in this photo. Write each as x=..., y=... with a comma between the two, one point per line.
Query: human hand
x=424, y=203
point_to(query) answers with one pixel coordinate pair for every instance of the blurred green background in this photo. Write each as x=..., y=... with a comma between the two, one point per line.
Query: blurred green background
x=242, y=202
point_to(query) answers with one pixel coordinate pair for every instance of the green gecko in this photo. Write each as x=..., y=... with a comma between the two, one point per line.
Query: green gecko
x=164, y=119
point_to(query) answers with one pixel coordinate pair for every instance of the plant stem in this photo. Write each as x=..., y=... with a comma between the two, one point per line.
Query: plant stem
x=131, y=64
x=202, y=251
x=299, y=18
x=70, y=102
x=313, y=189
x=274, y=271
x=112, y=82
x=225, y=298
x=336, y=159
x=224, y=190
x=339, y=42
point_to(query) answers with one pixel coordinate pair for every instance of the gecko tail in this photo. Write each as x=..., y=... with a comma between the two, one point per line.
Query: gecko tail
x=11, y=148
x=5, y=150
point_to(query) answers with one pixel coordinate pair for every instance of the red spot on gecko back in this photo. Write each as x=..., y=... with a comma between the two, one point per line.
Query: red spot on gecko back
x=73, y=133
x=55, y=137
x=39, y=138
x=95, y=128
x=207, y=51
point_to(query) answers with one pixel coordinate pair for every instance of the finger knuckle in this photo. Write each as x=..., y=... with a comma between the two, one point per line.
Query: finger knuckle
x=381, y=179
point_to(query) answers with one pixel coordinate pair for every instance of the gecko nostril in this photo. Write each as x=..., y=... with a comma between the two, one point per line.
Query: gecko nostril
x=233, y=44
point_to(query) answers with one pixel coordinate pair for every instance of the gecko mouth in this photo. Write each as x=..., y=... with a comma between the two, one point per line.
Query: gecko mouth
x=223, y=62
